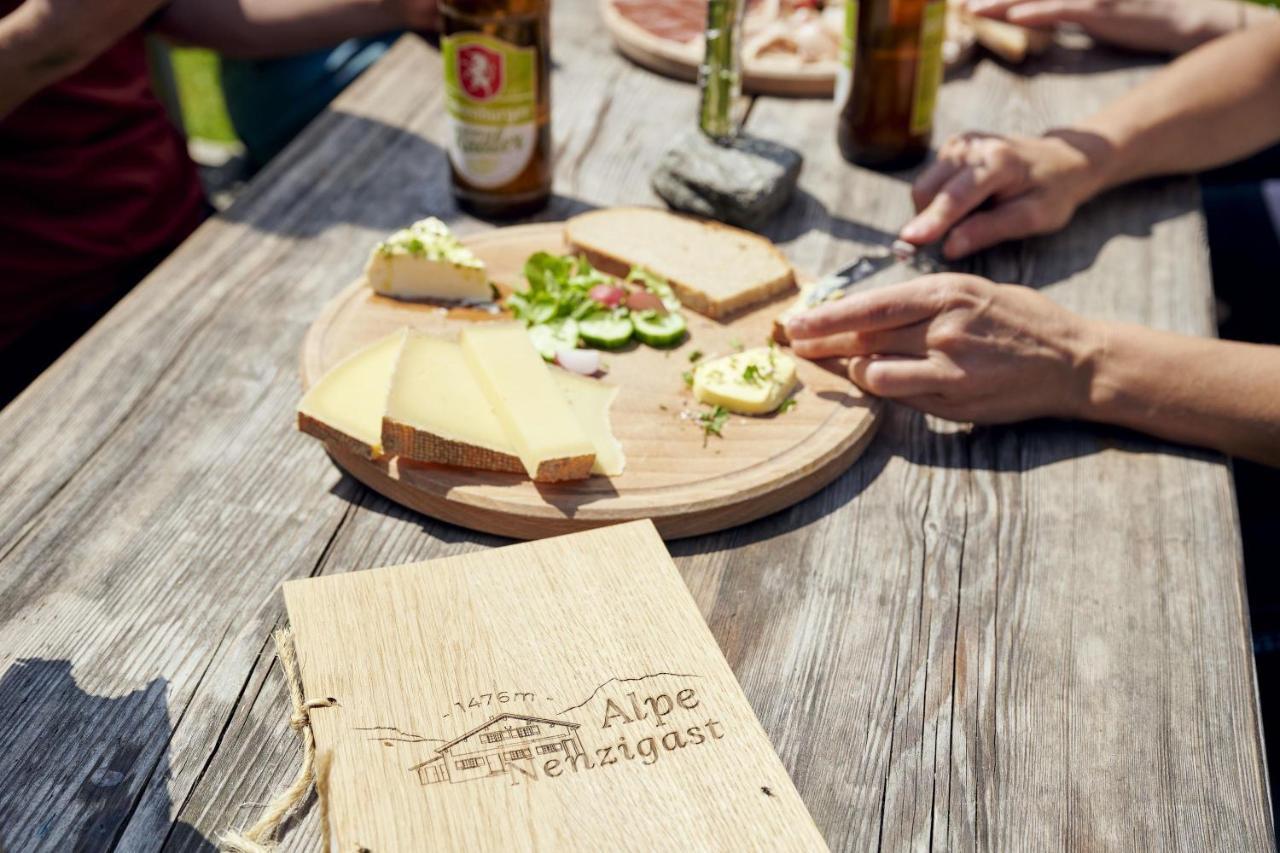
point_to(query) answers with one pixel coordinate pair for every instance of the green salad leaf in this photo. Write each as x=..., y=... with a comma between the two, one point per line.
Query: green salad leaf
x=559, y=311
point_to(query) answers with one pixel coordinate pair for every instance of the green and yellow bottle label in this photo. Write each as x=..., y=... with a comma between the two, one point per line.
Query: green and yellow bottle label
x=491, y=96
x=933, y=29
x=848, y=52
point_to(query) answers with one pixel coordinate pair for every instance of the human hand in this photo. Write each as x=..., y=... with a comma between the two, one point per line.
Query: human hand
x=1164, y=26
x=986, y=189
x=958, y=346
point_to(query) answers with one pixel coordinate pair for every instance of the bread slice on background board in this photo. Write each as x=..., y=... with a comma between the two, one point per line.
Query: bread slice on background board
x=714, y=269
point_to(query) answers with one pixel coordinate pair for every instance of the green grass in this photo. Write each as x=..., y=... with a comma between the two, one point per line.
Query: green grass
x=203, y=110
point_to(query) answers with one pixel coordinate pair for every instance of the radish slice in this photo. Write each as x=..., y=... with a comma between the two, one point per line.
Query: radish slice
x=609, y=295
x=644, y=300
x=584, y=361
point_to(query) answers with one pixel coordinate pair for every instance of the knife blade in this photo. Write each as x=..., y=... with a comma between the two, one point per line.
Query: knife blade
x=875, y=261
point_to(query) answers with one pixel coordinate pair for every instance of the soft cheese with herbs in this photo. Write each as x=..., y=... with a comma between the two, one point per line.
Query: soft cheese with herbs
x=752, y=382
x=425, y=261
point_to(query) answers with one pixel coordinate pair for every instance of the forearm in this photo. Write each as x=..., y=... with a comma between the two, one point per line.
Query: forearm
x=261, y=28
x=1202, y=391
x=1217, y=104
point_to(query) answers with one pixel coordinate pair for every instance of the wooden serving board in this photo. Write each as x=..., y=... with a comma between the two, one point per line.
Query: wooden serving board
x=764, y=76
x=687, y=482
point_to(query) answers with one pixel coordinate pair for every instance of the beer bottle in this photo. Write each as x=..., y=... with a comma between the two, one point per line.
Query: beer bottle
x=890, y=69
x=497, y=78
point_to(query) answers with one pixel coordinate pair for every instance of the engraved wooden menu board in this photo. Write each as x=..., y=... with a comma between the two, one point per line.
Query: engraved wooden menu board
x=555, y=695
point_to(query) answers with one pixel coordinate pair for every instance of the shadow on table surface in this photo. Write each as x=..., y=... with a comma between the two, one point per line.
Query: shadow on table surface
x=64, y=784
x=904, y=434
x=380, y=176
x=907, y=435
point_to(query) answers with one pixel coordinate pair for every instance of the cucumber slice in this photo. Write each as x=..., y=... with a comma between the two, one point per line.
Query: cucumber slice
x=549, y=338
x=659, y=330
x=606, y=329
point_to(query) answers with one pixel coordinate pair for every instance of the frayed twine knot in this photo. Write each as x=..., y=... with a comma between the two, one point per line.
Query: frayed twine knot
x=261, y=837
x=301, y=718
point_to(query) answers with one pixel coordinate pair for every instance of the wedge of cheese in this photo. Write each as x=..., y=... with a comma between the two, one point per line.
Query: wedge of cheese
x=425, y=261
x=591, y=400
x=345, y=406
x=752, y=382
x=437, y=412
x=538, y=421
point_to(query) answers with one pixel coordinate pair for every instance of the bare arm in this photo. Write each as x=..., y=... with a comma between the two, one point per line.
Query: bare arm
x=1165, y=26
x=261, y=28
x=966, y=349
x=42, y=41
x=1219, y=394
x=1214, y=105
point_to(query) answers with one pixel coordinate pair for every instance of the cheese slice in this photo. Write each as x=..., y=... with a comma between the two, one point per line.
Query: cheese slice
x=425, y=261
x=752, y=382
x=539, y=423
x=437, y=412
x=590, y=400
x=346, y=405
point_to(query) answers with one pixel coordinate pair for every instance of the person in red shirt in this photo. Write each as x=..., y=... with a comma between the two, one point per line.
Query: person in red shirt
x=95, y=183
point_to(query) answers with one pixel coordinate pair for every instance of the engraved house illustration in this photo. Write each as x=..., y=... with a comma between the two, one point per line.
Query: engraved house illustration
x=491, y=748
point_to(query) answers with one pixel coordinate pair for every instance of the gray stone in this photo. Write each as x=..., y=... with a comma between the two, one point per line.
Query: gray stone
x=742, y=182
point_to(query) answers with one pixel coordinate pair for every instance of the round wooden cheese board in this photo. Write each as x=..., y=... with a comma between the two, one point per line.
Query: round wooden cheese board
x=766, y=75
x=687, y=482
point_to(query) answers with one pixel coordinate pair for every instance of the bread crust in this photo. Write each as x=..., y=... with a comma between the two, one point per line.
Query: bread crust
x=689, y=295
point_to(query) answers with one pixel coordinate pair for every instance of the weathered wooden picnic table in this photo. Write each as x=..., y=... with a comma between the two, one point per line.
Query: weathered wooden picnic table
x=1015, y=638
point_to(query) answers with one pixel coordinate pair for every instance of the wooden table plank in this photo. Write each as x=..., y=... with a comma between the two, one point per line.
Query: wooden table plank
x=1021, y=637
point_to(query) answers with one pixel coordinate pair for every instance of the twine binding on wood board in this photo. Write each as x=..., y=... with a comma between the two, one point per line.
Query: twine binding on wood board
x=261, y=837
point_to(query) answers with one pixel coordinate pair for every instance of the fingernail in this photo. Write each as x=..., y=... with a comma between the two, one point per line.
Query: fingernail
x=913, y=231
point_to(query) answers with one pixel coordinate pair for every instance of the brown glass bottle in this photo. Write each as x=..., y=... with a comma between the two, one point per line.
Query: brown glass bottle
x=497, y=79
x=891, y=68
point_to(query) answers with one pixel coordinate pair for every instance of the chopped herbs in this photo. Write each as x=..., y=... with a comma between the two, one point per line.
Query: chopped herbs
x=688, y=378
x=752, y=374
x=787, y=405
x=712, y=421
x=431, y=239
x=736, y=344
x=694, y=356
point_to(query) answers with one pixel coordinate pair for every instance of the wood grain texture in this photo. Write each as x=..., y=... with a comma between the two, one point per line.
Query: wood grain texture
x=561, y=694
x=686, y=482
x=1029, y=637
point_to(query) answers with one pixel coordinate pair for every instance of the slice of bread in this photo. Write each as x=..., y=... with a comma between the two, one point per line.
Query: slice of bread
x=714, y=269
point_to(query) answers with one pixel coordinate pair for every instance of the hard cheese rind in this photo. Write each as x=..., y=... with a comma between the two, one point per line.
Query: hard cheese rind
x=542, y=428
x=437, y=412
x=752, y=382
x=425, y=261
x=346, y=405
